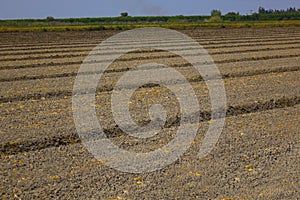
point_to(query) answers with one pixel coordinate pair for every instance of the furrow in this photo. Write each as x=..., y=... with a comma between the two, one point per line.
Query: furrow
x=218, y=58
x=13, y=147
x=85, y=53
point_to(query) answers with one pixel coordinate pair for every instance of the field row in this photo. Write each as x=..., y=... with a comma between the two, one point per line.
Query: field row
x=91, y=43
x=218, y=57
x=227, y=69
x=45, y=117
x=183, y=47
x=57, y=170
x=88, y=48
x=96, y=36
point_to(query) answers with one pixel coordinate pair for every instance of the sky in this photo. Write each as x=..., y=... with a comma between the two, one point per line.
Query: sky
x=23, y=9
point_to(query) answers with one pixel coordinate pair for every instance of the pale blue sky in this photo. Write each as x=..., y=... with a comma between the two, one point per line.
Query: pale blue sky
x=11, y=9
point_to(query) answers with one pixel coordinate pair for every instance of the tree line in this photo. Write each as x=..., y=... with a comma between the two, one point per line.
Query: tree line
x=262, y=10
x=216, y=16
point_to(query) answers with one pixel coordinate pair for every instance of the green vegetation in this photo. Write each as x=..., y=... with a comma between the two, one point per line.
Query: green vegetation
x=249, y=24
x=124, y=14
x=216, y=13
x=263, y=18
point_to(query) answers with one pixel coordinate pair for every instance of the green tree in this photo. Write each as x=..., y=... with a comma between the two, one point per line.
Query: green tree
x=261, y=10
x=232, y=16
x=50, y=18
x=216, y=13
x=124, y=14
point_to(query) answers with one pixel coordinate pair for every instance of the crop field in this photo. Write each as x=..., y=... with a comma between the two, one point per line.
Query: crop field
x=256, y=156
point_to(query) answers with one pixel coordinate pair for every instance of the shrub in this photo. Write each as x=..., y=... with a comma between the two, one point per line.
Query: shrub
x=216, y=13
x=124, y=14
x=50, y=18
x=215, y=19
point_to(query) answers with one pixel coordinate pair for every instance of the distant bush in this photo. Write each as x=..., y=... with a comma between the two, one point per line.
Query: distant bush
x=215, y=19
x=124, y=14
x=232, y=16
x=216, y=13
x=50, y=18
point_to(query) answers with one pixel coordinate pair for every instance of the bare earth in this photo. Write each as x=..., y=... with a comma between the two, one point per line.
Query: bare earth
x=257, y=154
